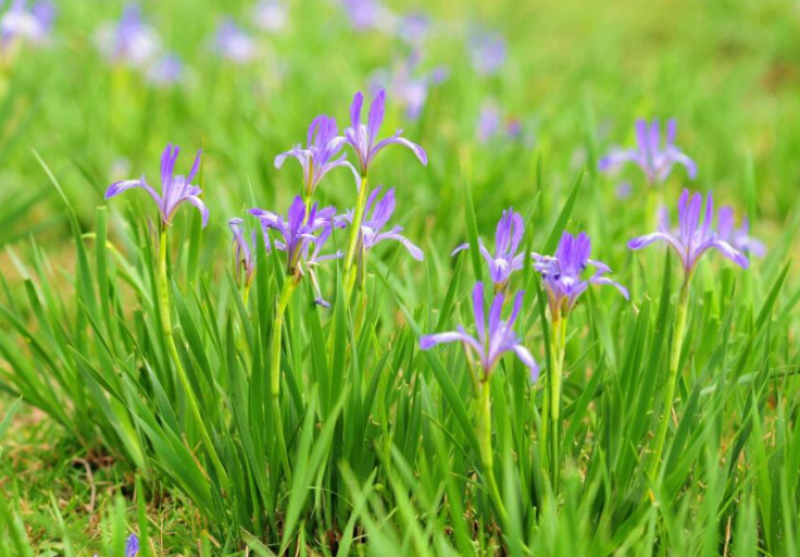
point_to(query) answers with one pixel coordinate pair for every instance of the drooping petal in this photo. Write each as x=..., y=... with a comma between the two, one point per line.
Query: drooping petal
x=618, y=286
x=426, y=342
x=527, y=358
x=418, y=151
x=647, y=239
x=197, y=202
x=118, y=187
x=731, y=253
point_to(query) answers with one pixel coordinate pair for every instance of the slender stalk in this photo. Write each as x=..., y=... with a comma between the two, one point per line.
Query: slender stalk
x=672, y=378
x=557, y=349
x=485, y=444
x=289, y=285
x=166, y=324
x=355, y=236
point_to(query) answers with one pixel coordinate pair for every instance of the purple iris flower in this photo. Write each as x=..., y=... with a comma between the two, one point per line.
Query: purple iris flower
x=655, y=158
x=691, y=239
x=32, y=24
x=174, y=189
x=131, y=41
x=234, y=43
x=244, y=249
x=740, y=237
x=506, y=259
x=132, y=546
x=166, y=71
x=491, y=342
x=323, y=144
x=563, y=273
x=377, y=214
x=410, y=86
x=488, y=52
x=363, y=138
x=300, y=231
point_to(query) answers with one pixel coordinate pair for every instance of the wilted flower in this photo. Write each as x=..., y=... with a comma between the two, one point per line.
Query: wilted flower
x=691, y=239
x=491, y=342
x=174, y=189
x=740, y=237
x=409, y=86
x=32, y=25
x=234, y=43
x=363, y=137
x=166, y=71
x=377, y=214
x=130, y=41
x=654, y=158
x=563, y=273
x=300, y=231
x=244, y=250
x=506, y=259
x=271, y=15
x=323, y=144
x=488, y=52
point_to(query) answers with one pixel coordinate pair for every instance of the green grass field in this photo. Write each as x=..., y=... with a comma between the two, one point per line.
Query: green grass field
x=160, y=380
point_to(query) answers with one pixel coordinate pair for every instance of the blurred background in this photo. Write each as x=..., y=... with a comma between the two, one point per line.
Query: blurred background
x=493, y=91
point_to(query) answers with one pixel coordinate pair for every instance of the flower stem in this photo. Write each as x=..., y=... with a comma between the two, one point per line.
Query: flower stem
x=289, y=285
x=485, y=444
x=166, y=324
x=355, y=236
x=672, y=378
x=557, y=349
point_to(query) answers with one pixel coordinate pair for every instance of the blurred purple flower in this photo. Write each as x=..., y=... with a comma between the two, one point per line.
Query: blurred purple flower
x=174, y=189
x=488, y=51
x=491, y=124
x=414, y=27
x=363, y=138
x=130, y=41
x=271, y=15
x=323, y=144
x=408, y=85
x=489, y=345
x=234, y=43
x=740, y=237
x=691, y=239
x=654, y=158
x=301, y=231
x=624, y=190
x=166, y=71
x=32, y=25
x=563, y=273
x=377, y=214
x=132, y=546
x=506, y=259
x=368, y=14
